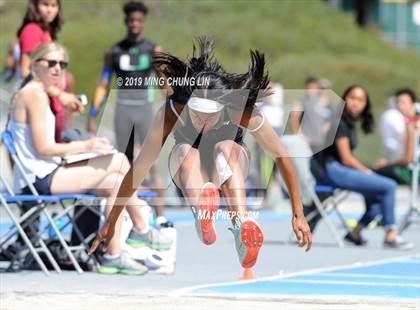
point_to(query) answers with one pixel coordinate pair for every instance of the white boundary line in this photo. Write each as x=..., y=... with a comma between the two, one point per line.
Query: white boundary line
x=320, y=300
x=189, y=290
x=352, y=283
x=362, y=275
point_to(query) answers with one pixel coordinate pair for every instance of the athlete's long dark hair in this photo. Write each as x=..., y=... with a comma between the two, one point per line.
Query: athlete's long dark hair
x=32, y=16
x=224, y=86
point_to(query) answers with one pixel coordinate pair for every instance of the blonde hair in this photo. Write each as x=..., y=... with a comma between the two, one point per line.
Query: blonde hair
x=44, y=49
x=39, y=52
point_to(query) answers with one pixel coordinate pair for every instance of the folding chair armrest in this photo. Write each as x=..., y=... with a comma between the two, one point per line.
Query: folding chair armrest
x=29, y=198
x=148, y=194
x=321, y=188
x=75, y=196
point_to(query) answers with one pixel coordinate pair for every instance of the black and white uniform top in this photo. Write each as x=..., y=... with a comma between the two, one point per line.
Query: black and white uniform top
x=132, y=62
x=225, y=129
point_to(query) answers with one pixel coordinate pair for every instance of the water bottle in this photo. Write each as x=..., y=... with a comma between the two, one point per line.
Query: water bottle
x=60, y=223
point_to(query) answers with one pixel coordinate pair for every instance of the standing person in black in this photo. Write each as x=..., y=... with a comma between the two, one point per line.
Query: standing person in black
x=131, y=61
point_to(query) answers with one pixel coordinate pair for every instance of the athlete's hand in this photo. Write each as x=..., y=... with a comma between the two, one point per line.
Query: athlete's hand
x=106, y=233
x=302, y=231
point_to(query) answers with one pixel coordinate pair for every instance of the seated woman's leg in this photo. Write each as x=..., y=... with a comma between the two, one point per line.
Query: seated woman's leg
x=369, y=185
x=88, y=176
x=102, y=176
x=373, y=210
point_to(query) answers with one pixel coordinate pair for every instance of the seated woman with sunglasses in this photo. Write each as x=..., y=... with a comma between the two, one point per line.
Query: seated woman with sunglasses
x=32, y=125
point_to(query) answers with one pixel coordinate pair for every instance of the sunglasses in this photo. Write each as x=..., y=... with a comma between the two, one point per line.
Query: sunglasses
x=53, y=63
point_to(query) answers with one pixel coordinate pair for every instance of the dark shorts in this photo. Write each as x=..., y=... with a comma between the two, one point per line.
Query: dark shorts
x=132, y=123
x=42, y=186
x=399, y=173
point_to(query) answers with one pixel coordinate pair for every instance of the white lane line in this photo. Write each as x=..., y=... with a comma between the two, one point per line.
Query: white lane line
x=363, y=275
x=190, y=289
x=317, y=299
x=320, y=282
x=409, y=262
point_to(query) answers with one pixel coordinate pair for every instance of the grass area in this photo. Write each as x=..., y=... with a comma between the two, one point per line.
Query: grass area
x=299, y=38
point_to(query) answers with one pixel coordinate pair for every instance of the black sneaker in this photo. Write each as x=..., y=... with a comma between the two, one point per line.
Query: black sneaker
x=356, y=241
x=10, y=252
x=163, y=222
x=167, y=224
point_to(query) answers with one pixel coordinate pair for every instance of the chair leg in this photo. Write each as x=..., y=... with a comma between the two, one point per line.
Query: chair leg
x=28, y=222
x=43, y=246
x=62, y=241
x=324, y=215
x=72, y=219
x=408, y=219
x=24, y=220
x=25, y=238
x=342, y=219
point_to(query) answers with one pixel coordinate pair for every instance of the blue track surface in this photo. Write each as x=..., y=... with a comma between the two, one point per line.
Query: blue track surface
x=395, y=279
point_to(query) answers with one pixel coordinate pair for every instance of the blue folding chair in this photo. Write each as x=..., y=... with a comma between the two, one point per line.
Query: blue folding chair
x=300, y=154
x=326, y=207
x=5, y=201
x=336, y=196
x=26, y=221
x=43, y=203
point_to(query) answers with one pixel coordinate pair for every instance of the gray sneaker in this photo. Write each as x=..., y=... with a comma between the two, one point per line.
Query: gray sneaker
x=153, y=239
x=123, y=264
x=399, y=243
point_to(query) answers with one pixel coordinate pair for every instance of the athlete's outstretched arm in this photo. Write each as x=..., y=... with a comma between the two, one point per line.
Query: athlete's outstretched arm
x=162, y=126
x=267, y=138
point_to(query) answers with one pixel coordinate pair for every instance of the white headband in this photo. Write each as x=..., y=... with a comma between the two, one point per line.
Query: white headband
x=204, y=105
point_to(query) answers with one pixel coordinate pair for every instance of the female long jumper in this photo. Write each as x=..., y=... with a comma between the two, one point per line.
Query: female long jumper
x=208, y=120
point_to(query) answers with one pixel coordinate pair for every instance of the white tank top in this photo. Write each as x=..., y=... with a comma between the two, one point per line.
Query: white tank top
x=33, y=164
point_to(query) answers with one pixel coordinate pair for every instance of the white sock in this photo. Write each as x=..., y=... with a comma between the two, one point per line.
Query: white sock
x=143, y=231
x=161, y=219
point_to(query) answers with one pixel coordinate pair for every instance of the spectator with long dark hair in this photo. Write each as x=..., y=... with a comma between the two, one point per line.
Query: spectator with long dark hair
x=343, y=170
x=40, y=25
